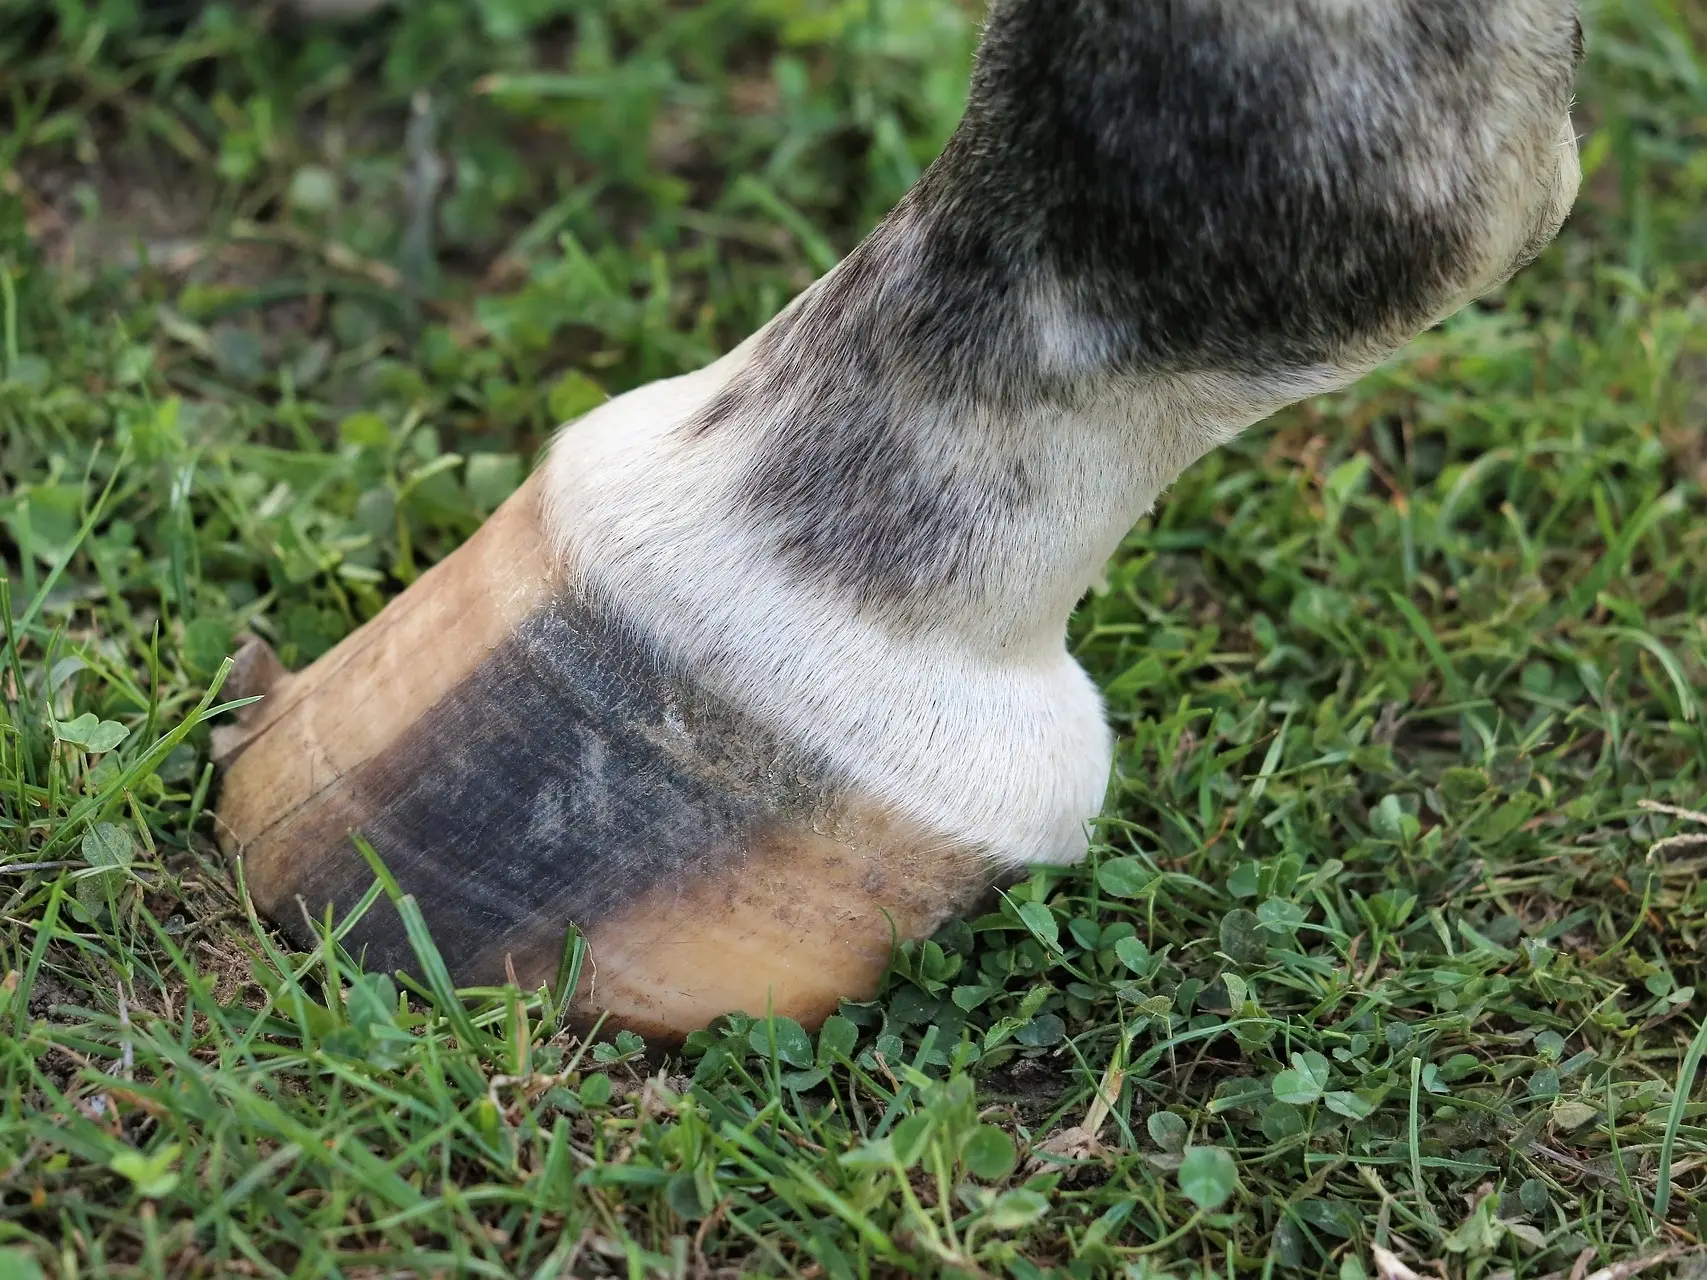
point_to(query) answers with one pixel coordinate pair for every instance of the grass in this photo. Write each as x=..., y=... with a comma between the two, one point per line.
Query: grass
x=1392, y=937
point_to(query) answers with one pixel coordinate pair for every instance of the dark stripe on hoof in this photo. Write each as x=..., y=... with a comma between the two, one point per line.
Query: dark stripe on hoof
x=569, y=775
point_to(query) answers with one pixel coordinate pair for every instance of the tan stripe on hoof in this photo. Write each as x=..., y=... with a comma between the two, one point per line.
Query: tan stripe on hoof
x=788, y=926
x=349, y=707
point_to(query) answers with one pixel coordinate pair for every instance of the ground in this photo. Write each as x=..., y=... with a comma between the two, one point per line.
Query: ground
x=1391, y=939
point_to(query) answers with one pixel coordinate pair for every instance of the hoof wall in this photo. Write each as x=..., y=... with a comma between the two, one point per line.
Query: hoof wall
x=522, y=762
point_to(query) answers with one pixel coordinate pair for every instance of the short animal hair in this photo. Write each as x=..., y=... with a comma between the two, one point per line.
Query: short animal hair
x=1159, y=221
x=1234, y=185
x=1246, y=184
x=1143, y=190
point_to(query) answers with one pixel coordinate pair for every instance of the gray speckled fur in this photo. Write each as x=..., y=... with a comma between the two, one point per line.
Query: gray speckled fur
x=1143, y=188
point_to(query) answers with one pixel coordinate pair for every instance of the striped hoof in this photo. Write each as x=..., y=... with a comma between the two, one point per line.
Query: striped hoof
x=523, y=762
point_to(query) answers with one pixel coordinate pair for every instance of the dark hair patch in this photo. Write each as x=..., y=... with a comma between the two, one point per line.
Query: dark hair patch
x=1240, y=186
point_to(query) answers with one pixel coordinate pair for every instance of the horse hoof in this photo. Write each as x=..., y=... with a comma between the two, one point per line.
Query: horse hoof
x=522, y=761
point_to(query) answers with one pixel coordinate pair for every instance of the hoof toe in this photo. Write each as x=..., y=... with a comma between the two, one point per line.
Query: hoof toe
x=256, y=672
